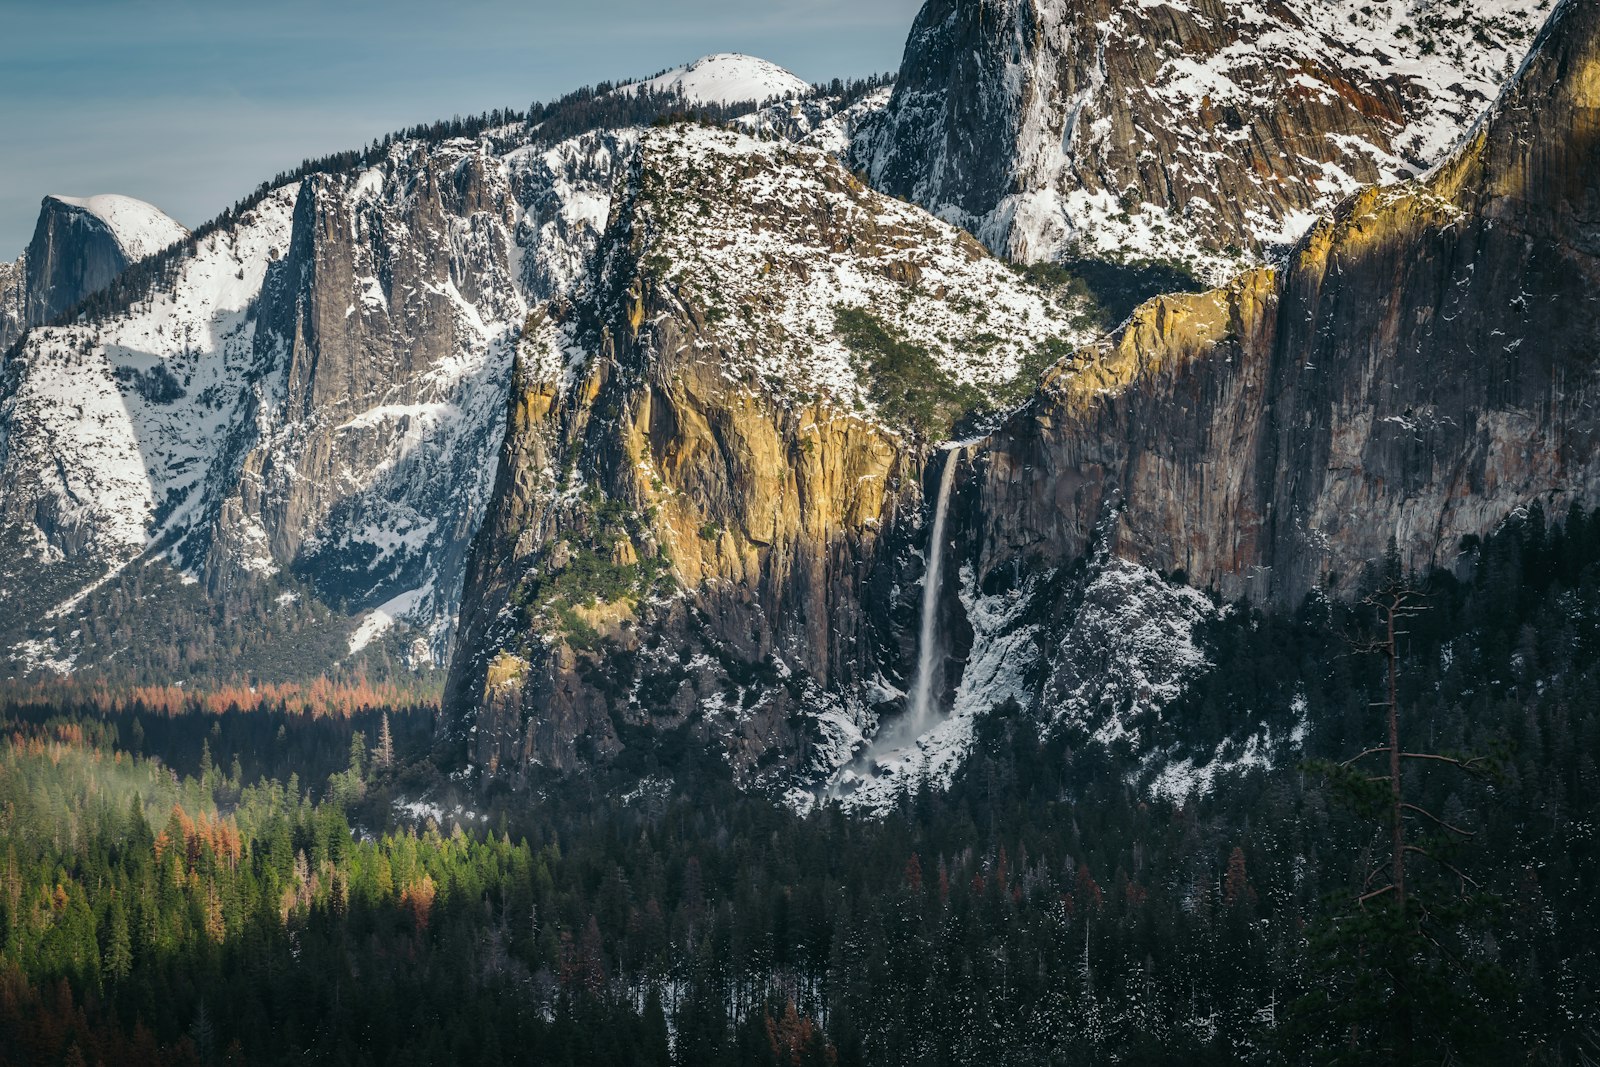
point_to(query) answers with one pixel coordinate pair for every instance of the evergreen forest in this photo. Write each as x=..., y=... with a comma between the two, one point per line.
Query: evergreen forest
x=188, y=883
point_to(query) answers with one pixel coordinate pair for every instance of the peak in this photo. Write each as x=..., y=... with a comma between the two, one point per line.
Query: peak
x=729, y=78
x=141, y=229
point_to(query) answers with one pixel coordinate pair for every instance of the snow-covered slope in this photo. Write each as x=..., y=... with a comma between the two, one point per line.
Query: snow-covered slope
x=101, y=424
x=728, y=78
x=13, y=300
x=313, y=393
x=739, y=221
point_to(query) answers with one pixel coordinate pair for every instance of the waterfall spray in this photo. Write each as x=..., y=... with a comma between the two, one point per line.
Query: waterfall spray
x=928, y=639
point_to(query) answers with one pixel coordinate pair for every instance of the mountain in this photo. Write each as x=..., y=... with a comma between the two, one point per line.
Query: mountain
x=1423, y=364
x=1419, y=369
x=1209, y=131
x=281, y=435
x=699, y=527
x=303, y=400
x=79, y=246
x=863, y=648
x=726, y=78
x=638, y=429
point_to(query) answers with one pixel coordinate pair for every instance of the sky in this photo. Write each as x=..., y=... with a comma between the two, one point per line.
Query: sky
x=190, y=104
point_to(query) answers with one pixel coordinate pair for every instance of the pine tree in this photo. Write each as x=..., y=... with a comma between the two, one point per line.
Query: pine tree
x=119, y=945
x=1399, y=976
x=203, y=1032
x=385, y=754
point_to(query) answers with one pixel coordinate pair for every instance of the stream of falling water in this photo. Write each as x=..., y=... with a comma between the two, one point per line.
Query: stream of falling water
x=928, y=638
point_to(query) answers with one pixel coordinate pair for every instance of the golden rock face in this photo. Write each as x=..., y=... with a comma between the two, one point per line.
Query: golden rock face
x=762, y=518
x=699, y=482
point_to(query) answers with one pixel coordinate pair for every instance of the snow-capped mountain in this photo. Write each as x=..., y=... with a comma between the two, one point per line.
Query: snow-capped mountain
x=140, y=229
x=315, y=389
x=308, y=397
x=659, y=408
x=689, y=539
x=1207, y=131
x=80, y=244
x=714, y=451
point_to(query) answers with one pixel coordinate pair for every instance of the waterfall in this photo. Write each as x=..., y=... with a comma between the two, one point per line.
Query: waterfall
x=928, y=639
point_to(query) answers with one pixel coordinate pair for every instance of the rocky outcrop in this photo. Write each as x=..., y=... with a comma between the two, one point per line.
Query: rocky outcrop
x=701, y=570
x=631, y=595
x=1208, y=130
x=374, y=453
x=308, y=400
x=712, y=474
x=1423, y=364
x=304, y=404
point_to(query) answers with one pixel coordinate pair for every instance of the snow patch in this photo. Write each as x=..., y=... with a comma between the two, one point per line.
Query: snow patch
x=381, y=619
x=1127, y=653
x=727, y=78
x=1177, y=780
x=996, y=675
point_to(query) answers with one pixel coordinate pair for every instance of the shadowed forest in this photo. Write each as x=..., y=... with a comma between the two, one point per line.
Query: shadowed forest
x=195, y=881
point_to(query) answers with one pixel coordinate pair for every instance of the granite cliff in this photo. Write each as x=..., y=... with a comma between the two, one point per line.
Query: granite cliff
x=1423, y=363
x=1210, y=131
x=275, y=440
x=637, y=424
x=1419, y=367
x=698, y=539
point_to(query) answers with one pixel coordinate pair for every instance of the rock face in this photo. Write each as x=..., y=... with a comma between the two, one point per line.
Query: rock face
x=313, y=395
x=1209, y=130
x=13, y=300
x=79, y=246
x=304, y=405
x=1421, y=366
x=1424, y=363
x=387, y=325
x=1261, y=441
x=713, y=467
